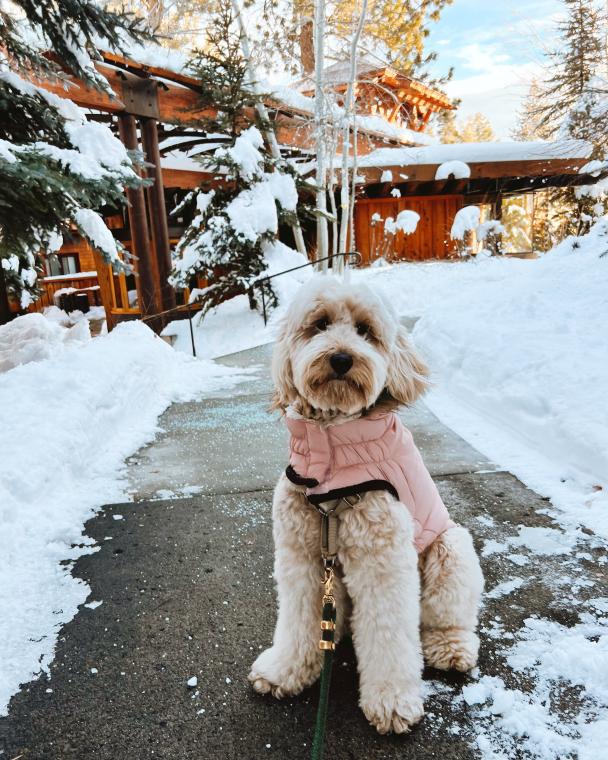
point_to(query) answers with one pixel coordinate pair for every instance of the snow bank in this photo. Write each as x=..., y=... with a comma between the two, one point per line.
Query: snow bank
x=233, y=326
x=68, y=422
x=33, y=338
x=518, y=352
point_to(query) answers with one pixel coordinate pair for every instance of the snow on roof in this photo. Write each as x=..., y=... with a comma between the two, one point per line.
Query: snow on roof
x=151, y=54
x=339, y=72
x=476, y=153
x=374, y=123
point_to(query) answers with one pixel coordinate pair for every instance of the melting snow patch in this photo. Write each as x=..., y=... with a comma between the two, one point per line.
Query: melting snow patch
x=505, y=588
x=556, y=658
x=543, y=541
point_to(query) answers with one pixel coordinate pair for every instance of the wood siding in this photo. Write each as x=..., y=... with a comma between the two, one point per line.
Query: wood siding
x=431, y=240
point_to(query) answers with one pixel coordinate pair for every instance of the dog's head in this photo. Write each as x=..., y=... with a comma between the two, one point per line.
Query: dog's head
x=340, y=350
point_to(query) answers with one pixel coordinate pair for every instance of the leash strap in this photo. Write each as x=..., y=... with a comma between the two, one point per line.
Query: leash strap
x=329, y=511
x=327, y=644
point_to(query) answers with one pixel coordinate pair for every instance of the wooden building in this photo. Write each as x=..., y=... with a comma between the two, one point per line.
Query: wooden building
x=156, y=110
x=407, y=178
x=383, y=91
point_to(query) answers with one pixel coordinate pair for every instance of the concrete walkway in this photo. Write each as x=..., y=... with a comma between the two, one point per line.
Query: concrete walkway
x=185, y=579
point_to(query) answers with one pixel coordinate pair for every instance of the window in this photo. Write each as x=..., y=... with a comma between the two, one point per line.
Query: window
x=63, y=263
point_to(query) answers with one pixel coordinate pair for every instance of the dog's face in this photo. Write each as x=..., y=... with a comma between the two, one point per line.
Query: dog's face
x=339, y=348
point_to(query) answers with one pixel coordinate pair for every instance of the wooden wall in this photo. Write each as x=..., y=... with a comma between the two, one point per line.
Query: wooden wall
x=431, y=239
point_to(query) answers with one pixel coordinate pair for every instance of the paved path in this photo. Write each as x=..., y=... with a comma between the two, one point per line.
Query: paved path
x=186, y=586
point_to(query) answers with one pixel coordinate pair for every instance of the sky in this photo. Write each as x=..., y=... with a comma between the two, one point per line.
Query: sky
x=496, y=47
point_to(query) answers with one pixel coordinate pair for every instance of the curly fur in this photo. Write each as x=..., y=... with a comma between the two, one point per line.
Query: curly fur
x=400, y=607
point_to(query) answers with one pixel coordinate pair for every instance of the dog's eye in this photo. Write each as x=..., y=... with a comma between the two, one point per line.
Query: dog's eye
x=322, y=324
x=362, y=328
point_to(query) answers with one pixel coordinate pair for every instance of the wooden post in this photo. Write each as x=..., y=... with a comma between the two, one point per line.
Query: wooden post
x=138, y=222
x=158, y=211
x=5, y=309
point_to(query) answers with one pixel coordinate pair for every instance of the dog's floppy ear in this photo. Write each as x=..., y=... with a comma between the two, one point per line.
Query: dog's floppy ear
x=284, y=389
x=407, y=373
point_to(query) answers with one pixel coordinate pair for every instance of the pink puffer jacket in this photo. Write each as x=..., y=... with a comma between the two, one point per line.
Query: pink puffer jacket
x=367, y=454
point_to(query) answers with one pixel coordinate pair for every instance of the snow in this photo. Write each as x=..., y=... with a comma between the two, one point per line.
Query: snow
x=466, y=220
x=507, y=587
x=468, y=153
x=33, y=338
x=510, y=721
x=517, y=350
x=406, y=221
x=253, y=212
x=70, y=417
x=490, y=227
x=94, y=228
x=245, y=153
x=455, y=168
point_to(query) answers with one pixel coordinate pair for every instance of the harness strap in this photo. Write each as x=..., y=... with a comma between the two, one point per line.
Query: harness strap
x=330, y=512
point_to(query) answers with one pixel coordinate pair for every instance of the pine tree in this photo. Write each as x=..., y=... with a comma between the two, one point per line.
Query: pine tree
x=569, y=92
x=476, y=128
x=446, y=126
x=56, y=168
x=574, y=103
x=236, y=220
x=530, y=125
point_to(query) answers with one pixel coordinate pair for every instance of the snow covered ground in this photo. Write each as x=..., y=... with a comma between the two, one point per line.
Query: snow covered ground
x=72, y=410
x=519, y=355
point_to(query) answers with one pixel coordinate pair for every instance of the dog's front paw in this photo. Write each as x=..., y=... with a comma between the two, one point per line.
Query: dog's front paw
x=450, y=649
x=272, y=673
x=393, y=712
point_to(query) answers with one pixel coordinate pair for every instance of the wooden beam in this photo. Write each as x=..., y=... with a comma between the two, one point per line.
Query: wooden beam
x=485, y=170
x=87, y=97
x=184, y=178
x=158, y=212
x=138, y=222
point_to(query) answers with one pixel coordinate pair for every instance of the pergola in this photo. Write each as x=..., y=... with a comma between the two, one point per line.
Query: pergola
x=156, y=110
x=388, y=93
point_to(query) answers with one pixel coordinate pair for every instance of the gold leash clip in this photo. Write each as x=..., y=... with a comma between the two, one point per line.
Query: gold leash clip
x=328, y=621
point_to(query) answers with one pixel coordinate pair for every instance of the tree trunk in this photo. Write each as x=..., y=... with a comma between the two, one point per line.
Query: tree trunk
x=5, y=309
x=321, y=174
x=269, y=134
x=307, y=47
x=346, y=202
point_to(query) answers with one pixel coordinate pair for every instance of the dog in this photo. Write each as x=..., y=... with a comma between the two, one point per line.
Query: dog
x=342, y=363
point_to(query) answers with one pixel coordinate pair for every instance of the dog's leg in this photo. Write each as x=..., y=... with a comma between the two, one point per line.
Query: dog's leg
x=452, y=583
x=294, y=660
x=381, y=576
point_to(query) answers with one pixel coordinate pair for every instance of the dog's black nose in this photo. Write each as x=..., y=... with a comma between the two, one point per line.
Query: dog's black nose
x=341, y=363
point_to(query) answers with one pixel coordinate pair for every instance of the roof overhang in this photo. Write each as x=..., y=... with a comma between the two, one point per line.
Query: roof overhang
x=172, y=97
x=506, y=169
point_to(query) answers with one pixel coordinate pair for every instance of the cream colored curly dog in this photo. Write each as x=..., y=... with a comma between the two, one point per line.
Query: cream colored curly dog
x=409, y=581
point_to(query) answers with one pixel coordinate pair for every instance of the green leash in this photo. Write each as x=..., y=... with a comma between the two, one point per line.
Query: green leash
x=327, y=644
